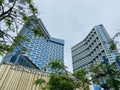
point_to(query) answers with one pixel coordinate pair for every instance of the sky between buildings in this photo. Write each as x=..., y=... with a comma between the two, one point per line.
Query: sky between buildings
x=72, y=20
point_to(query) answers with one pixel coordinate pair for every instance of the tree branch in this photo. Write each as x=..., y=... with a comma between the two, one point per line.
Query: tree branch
x=2, y=7
x=7, y=13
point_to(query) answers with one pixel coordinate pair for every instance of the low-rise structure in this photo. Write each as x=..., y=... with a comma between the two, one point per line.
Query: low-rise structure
x=15, y=77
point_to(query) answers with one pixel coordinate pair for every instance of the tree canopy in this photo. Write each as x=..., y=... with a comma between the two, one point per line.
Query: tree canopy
x=108, y=74
x=61, y=79
x=13, y=15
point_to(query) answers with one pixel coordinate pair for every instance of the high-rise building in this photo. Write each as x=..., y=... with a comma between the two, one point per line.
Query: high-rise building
x=92, y=49
x=40, y=49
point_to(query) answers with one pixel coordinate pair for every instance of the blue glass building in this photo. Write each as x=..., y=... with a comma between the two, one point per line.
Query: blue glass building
x=91, y=50
x=41, y=49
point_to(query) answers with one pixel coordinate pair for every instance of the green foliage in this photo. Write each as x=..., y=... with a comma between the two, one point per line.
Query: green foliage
x=79, y=73
x=60, y=82
x=29, y=1
x=33, y=9
x=81, y=80
x=22, y=38
x=37, y=31
x=17, y=43
x=4, y=62
x=12, y=16
x=99, y=69
x=3, y=48
x=56, y=66
x=1, y=1
x=113, y=45
x=39, y=82
x=26, y=19
x=59, y=79
x=8, y=22
x=108, y=72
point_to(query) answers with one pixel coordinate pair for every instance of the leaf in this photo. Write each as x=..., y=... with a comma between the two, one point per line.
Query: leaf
x=33, y=9
x=113, y=45
x=8, y=22
x=39, y=81
x=20, y=38
x=29, y=1
x=56, y=66
x=4, y=48
x=1, y=1
x=26, y=19
x=61, y=82
x=15, y=15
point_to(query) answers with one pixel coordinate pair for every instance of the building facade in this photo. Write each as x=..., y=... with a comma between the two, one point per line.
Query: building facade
x=92, y=49
x=15, y=77
x=40, y=49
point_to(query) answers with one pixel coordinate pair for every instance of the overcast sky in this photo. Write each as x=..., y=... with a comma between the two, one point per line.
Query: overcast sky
x=72, y=20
